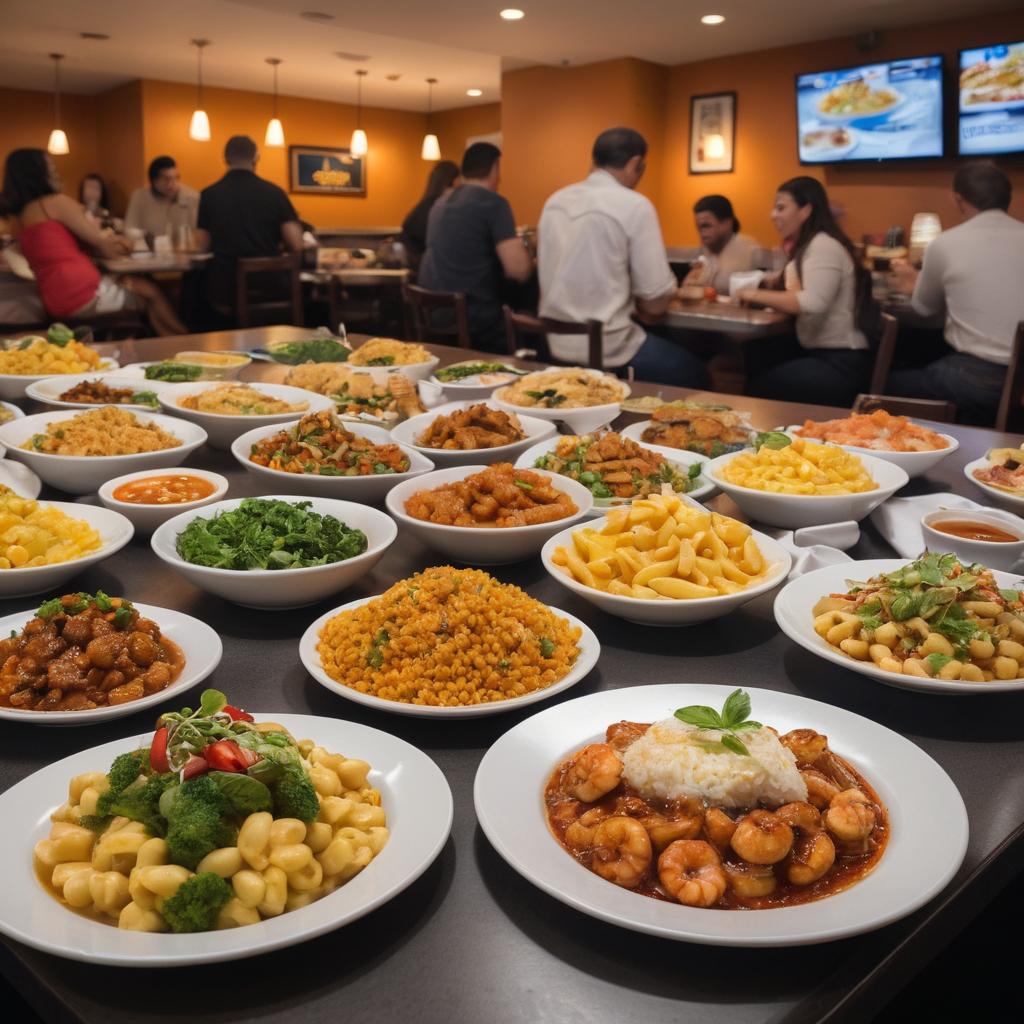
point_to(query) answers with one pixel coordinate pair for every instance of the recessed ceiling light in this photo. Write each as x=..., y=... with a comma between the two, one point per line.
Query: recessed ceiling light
x=512, y=14
x=94, y=35
x=712, y=19
x=474, y=92
x=357, y=57
x=316, y=16
x=394, y=77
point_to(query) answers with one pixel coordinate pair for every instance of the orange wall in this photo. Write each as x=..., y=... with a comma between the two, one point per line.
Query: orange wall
x=119, y=136
x=874, y=196
x=453, y=127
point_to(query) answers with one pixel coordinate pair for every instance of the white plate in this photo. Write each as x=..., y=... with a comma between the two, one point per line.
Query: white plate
x=590, y=649
x=13, y=385
x=912, y=463
x=19, y=478
x=14, y=410
x=582, y=420
x=200, y=644
x=82, y=474
x=146, y=518
x=115, y=531
x=682, y=460
x=927, y=817
x=414, y=794
x=414, y=371
x=793, y=613
x=470, y=388
x=1004, y=499
x=48, y=390
x=406, y=433
x=352, y=488
x=898, y=101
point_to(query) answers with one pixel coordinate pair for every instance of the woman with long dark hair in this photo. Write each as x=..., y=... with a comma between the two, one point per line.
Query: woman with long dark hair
x=53, y=231
x=92, y=194
x=829, y=361
x=414, y=228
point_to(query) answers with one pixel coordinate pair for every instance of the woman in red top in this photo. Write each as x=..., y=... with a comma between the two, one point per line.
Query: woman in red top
x=53, y=229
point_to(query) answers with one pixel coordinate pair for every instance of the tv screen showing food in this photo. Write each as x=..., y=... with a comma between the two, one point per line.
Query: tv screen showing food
x=992, y=100
x=884, y=111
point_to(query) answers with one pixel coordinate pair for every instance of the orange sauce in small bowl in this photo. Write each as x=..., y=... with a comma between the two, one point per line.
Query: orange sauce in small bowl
x=970, y=530
x=168, y=489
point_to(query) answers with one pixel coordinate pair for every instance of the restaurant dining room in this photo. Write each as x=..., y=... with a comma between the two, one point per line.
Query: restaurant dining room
x=511, y=514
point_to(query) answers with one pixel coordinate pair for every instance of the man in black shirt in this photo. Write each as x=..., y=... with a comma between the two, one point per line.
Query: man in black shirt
x=242, y=216
x=472, y=245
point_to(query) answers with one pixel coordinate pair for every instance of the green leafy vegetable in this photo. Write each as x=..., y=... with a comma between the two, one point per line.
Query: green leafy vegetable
x=547, y=646
x=60, y=335
x=243, y=794
x=48, y=609
x=316, y=350
x=463, y=370
x=381, y=361
x=774, y=439
x=936, y=662
x=146, y=398
x=733, y=718
x=170, y=371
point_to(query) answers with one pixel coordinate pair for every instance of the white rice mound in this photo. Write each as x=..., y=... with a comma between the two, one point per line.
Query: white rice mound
x=669, y=762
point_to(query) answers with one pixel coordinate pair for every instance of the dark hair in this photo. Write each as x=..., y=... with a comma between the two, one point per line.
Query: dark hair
x=104, y=198
x=441, y=176
x=26, y=177
x=719, y=207
x=983, y=185
x=617, y=146
x=239, y=149
x=158, y=164
x=810, y=192
x=478, y=160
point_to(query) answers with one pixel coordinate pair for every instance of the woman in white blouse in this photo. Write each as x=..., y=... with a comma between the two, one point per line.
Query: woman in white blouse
x=829, y=361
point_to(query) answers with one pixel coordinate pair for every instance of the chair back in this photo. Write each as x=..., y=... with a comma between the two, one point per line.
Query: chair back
x=246, y=307
x=423, y=303
x=1009, y=411
x=919, y=408
x=518, y=325
x=884, y=354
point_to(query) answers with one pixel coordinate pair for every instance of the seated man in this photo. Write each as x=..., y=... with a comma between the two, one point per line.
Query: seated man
x=723, y=250
x=472, y=246
x=243, y=216
x=975, y=272
x=165, y=206
x=601, y=257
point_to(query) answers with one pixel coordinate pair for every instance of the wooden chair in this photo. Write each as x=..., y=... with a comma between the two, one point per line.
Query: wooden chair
x=919, y=408
x=290, y=305
x=423, y=303
x=1009, y=412
x=518, y=325
x=884, y=354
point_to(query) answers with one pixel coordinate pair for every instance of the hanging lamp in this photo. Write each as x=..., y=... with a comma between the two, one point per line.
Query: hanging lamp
x=199, y=127
x=275, y=130
x=359, y=146
x=431, y=147
x=57, y=144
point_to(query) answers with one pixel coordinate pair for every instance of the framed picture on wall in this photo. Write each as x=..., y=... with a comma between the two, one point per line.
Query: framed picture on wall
x=325, y=171
x=712, y=133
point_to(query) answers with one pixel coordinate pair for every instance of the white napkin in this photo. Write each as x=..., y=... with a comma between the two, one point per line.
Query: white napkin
x=808, y=549
x=898, y=520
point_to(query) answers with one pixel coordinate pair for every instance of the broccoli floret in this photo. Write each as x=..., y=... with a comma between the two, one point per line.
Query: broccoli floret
x=196, y=824
x=140, y=802
x=294, y=794
x=196, y=904
x=125, y=770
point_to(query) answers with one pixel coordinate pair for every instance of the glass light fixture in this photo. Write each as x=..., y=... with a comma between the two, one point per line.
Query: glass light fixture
x=431, y=149
x=512, y=14
x=474, y=92
x=57, y=144
x=199, y=127
x=359, y=146
x=714, y=147
x=712, y=19
x=274, y=136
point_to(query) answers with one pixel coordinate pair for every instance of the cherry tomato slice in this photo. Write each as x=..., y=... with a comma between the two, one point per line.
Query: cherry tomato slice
x=194, y=766
x=237, y=714
x=228, y=756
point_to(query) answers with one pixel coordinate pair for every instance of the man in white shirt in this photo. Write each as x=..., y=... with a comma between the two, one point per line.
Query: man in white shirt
x=975, y=272
x=165, y=206
x=601, y=257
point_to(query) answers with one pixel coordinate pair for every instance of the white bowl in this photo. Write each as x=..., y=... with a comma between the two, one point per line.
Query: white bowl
x=19, y=478
x=115, y=531
x=198, y=642
x=914, y=463
x=680, y=459
x=635, y=432
x=146, y=518
x=82, y=474
x=49, y=390
x=584, y=420
x=470, y=388
x=354, y=488
x=281, y=588
x=16, y=412
x=482, y=545
x=666, y=611
x=1004, y=499
x=414, y=371
x=13, y=385
x=223, y=429
x=1003, y=555
x=590, y=650
x=792, y=511
x=407, y=432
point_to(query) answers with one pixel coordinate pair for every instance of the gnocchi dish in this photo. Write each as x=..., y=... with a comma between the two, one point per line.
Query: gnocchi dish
x=220, y=822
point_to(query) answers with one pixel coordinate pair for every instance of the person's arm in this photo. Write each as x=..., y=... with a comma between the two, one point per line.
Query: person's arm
x=201, y=238
x=784, y=301
x=928, y=291
x=72, y=216
x=821, y=278
x=516, y=262
x=133, y=215
x=291, y=235
x=651, y=278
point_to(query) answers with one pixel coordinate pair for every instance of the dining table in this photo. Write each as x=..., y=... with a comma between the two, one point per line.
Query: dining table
x=740, y=323
x=155, y=263
x=472, y=940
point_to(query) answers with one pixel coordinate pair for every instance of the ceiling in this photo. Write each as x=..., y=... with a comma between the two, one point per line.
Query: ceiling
x=462, y=43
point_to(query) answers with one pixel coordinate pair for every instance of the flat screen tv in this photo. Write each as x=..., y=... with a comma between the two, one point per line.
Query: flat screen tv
x=884, y=111
x=991, y=100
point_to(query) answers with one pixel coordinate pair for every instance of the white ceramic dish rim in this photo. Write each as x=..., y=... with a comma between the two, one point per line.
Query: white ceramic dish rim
x=170, y=394
x=543, y=429
x=996, y=492
x=106, y=492
x=933, y=453
x=48, y=390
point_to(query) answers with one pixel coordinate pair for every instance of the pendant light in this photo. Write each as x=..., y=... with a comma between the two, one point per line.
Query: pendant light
x=58, y=141
x=275, y=130
x=199, y=127
x=358, y=146
x=431, y=147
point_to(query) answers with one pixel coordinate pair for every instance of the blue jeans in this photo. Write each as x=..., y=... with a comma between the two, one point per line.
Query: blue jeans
x=974, y=385
x=661, y=361
x=782, y=369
